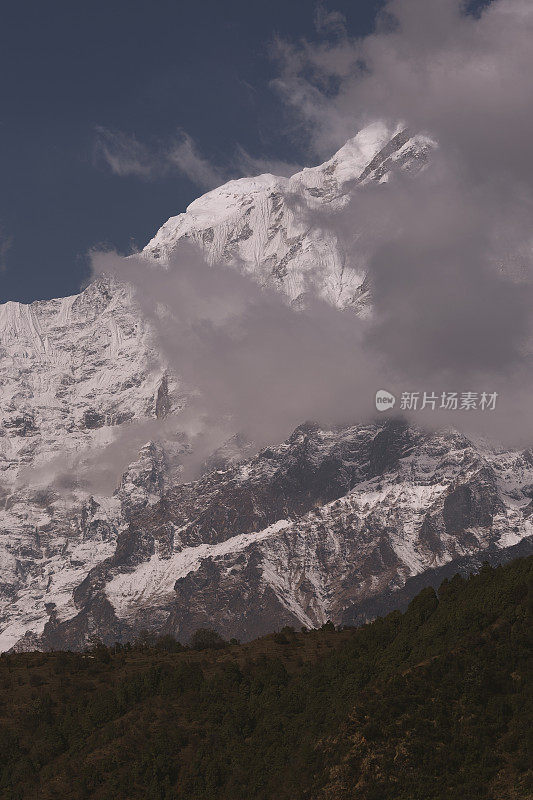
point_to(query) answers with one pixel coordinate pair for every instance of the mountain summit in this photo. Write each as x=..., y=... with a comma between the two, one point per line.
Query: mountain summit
x=261, y=223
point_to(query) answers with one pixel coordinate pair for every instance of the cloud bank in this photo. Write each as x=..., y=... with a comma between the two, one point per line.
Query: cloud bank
x=448, y=251
x=247, y=360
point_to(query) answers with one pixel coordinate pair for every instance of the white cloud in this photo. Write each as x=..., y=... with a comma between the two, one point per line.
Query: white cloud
x=185, y=157
x=125, y=155
x=330, y=22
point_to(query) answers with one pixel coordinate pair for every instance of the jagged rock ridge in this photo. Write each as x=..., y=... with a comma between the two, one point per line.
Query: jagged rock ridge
x=328, y=525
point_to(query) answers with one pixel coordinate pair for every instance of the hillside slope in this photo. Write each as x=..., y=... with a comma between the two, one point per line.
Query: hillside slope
x=434, y=703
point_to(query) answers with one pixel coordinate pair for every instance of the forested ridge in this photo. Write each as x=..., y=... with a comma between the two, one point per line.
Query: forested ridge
x=431, y=704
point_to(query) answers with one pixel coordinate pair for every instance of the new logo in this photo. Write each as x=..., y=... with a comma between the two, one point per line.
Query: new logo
x=384, y=400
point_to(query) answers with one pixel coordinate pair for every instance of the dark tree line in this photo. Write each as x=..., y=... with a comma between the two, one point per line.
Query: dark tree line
x=432, y=704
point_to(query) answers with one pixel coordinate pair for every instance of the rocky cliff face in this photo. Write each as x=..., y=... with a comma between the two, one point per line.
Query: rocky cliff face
x=328, y=525
x=311, y=529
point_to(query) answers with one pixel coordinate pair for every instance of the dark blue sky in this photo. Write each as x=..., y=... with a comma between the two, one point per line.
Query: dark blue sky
x=143, y=68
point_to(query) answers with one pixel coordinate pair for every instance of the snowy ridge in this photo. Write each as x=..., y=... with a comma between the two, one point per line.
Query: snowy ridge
x=154, y=581
x=253, y=221
x=435, y=503
x=68, y=381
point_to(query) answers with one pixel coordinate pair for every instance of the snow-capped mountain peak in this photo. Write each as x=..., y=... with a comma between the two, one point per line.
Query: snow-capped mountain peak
x=252, y=221
x=328, y=523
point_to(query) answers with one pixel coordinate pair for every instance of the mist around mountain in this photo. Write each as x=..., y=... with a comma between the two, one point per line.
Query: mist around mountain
x=157, y=467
